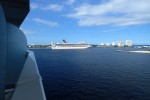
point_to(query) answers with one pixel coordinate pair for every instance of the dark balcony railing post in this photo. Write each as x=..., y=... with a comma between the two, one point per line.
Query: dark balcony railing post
x=3, y=51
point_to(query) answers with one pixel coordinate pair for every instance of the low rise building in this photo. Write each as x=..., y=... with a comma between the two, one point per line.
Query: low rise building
x=120, y=44
x=128, y=43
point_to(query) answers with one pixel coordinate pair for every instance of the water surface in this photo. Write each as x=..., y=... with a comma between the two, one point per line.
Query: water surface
x=94, y=74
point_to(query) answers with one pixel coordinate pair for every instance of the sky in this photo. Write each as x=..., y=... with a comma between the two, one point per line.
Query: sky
x=91, y=21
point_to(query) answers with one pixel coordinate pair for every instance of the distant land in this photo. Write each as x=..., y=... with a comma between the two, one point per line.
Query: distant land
x=93, y=45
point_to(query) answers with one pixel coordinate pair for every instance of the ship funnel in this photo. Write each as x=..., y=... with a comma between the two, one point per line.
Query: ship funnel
x=65, y=41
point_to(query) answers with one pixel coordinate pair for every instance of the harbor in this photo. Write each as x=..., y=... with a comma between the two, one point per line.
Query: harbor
x=96, y=73
x=75, y=50
x=92, y=45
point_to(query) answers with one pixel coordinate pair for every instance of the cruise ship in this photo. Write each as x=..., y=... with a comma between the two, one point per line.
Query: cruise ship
x=66, y=45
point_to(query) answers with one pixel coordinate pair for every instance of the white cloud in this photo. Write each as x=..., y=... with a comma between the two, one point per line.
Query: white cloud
x=53, y=7
x=25, y=31
x=70, y=1
x=51, y=24
x=114, y=12
x=34, y=5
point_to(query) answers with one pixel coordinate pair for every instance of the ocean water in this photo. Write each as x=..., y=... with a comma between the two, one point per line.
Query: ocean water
x=94, y=74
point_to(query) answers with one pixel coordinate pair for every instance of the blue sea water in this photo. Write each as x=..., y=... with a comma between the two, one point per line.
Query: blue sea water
x=94, y=74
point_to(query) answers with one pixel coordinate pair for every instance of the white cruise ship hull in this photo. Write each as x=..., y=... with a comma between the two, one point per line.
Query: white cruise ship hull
x=55, y=47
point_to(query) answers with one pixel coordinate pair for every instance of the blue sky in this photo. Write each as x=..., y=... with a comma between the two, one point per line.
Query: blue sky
x=91, y=21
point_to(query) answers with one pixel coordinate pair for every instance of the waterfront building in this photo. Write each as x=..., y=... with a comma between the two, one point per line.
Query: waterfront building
x=120, y=44
x=128, y=43
x=102, y=44
x=113, y=44
x=107, y=44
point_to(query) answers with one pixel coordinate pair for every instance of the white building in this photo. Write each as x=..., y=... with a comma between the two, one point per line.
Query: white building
x=128, y=43
x=113, y=44
x=102, y=44
x=120, y=44
x=107, y=44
